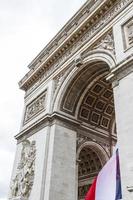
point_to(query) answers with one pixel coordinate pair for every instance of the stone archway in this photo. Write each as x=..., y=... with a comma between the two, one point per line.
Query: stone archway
x=92, y=61
x=88, y=99
x=91, y=157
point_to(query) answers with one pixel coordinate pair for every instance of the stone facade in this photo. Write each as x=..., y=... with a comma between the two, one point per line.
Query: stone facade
x=78, y=103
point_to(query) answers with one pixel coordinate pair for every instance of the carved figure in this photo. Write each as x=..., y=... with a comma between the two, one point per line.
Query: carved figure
x=130, y=36
x=35, y=107
x=23, y=181
x=106, y=43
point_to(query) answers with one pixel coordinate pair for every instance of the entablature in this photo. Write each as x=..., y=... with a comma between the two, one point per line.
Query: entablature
x=64, y=121
x=100, y=14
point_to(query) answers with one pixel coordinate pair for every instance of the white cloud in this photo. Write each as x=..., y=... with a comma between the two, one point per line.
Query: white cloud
x=26, y=27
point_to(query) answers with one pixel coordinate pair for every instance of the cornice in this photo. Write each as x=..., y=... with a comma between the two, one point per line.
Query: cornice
x=67, y=29
x=57, y=118
x=121, y=70
x=83, y=29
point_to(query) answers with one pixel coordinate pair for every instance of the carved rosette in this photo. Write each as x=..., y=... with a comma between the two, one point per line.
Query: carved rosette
x=22, y=183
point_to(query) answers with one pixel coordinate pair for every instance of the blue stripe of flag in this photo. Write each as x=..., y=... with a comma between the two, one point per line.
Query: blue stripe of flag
x=118, y=178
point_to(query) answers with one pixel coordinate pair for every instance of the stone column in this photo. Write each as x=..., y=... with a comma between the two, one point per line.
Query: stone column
x=122, y=79
x=60, y=183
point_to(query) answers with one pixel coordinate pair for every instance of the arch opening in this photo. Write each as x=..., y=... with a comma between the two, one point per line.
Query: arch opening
x=88, y=98
x=88, y=168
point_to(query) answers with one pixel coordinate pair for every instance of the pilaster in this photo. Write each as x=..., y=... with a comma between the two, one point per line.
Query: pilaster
x=122, y=80
x=61, y=165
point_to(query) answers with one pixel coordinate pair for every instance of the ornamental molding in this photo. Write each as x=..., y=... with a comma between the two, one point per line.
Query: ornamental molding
x=73, y=23
x=93, y=23
x=62, y=120
x=22, y=183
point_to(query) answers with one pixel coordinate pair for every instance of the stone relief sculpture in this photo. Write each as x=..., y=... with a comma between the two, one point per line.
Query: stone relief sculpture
x=23, y=181
x=35, y=107
x=107, y=43
x=128, y=33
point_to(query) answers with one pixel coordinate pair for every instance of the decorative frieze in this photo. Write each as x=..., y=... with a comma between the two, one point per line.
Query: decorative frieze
x=128, y=33
x=22, y=183
x=81, y=37
x=35, y=107
x=67, y=30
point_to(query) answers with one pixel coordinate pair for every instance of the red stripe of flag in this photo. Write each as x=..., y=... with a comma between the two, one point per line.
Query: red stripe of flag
x=91, y=193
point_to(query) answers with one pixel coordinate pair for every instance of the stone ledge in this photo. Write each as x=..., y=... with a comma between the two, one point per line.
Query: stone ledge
x=121, y=70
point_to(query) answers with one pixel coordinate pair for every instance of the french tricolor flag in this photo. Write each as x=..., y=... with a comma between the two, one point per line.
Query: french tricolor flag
x=107, y=185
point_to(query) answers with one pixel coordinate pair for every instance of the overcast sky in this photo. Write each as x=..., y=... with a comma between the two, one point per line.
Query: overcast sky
x=26, y=26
